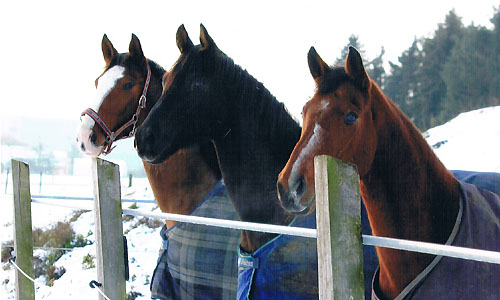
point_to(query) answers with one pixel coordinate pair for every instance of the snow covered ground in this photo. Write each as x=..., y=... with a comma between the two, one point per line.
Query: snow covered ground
x=143, y=242
x=471, y=141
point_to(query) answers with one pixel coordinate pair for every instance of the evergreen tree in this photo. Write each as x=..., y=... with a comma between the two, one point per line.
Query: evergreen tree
x=494, y=91
x=402, y=85
x=436, y=51
x=375, y=68
x=354, y=42
x=469, y=72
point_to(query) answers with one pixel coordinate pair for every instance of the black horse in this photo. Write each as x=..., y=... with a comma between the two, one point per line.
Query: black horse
x=207, y=96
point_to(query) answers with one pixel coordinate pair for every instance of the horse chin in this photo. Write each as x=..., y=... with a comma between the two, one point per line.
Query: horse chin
x=307, y=208
x=299, y=208
x=156, y=159
x=90, y=150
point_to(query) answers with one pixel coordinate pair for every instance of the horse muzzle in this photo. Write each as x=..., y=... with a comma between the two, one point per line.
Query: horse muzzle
x=293, y=198
x=86, y=139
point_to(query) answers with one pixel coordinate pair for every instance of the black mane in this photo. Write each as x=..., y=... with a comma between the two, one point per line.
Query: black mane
x=259, y=107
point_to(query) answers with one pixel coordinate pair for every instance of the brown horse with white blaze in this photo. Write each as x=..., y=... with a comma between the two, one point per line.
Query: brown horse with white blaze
x=179, y=183
x=196, y=261
x=407, y=191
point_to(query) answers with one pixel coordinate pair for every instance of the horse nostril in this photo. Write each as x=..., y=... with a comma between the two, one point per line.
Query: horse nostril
x=93, y=137
x=299, y=187
x=82, y=146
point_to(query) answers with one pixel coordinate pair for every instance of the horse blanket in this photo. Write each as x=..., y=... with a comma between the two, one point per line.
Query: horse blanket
x=489, y=181
x=477, y=226
x=197, y=261
x=287, y=266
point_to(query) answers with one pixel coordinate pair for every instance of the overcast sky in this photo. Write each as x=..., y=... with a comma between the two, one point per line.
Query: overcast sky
x=51, y=50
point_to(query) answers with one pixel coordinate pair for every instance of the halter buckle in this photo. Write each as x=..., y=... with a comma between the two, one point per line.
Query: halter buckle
x=142, y=101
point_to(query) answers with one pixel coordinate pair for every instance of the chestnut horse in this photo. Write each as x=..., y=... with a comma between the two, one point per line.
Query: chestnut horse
x=407, y=191
x=126, y=91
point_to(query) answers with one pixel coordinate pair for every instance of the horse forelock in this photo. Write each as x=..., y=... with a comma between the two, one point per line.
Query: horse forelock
x=332, y=80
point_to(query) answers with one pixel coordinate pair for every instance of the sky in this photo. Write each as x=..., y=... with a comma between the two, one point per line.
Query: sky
x=51, y=50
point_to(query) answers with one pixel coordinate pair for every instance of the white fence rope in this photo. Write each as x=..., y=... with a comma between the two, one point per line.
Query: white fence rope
x=11, y=261
x=421, y=247
x=25, y=275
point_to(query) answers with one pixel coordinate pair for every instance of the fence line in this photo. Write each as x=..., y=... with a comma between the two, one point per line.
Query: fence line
x=88, y=198
x=39, y=285
x=107, y=206
x=368, y=240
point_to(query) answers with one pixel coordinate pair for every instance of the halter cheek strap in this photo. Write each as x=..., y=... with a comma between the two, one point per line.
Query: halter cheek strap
x=111, y=136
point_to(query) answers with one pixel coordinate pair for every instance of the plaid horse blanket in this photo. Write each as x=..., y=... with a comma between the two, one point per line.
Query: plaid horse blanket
x=477, y=226
x=197, y=261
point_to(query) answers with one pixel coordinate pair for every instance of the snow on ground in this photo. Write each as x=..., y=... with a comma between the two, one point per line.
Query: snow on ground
x=471, y=141
x=468, y=142
x=143, y=242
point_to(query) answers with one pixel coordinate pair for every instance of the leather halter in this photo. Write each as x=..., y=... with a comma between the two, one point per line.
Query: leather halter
x=111, y=136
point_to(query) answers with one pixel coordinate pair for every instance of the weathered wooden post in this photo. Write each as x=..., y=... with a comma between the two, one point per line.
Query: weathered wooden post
x=338, y=222
x=109, y=230
x=23, y=234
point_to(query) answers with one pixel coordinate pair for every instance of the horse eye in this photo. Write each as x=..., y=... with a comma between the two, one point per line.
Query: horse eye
x=197, y=84
x=128, y=85
x=350, y=118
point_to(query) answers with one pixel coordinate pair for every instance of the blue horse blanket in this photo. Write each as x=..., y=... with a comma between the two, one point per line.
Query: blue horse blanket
x=477, y=226
x=197, y=261
x=284, y=268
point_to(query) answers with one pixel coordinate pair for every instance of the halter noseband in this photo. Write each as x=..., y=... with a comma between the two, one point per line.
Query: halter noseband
x=111, y=136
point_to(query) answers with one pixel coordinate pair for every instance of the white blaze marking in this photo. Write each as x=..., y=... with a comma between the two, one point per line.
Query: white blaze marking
x=324, y=104
x=105, y=85
x=314, y=140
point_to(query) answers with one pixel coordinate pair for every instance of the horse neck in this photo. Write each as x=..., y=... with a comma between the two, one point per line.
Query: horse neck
x=408, y=194
x=181, y=182
x=258, y=139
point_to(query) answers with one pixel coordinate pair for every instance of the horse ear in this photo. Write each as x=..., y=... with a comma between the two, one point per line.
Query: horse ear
x=355, y=69
x=135, y=49
x=108, y=51
x=183, y=41
x=206, y=41
x=317, y=66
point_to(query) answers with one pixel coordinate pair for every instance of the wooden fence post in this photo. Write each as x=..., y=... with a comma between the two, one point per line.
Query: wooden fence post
x=23, y=234
x=338, y=219
x=109, y=230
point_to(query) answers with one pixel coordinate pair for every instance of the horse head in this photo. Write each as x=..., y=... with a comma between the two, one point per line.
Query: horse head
x=187, y=112
x=120, y=95
x=338, y=121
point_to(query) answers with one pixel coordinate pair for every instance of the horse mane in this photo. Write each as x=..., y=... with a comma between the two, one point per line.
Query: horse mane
x=270, y=117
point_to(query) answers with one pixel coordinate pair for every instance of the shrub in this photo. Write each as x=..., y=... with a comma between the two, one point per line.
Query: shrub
x=7, y=250
x=133, y=295
x=88, y=262
x=60, y=235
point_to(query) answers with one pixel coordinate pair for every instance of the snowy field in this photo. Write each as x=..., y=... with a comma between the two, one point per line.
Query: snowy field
x=143, y=242
x=468, y=142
